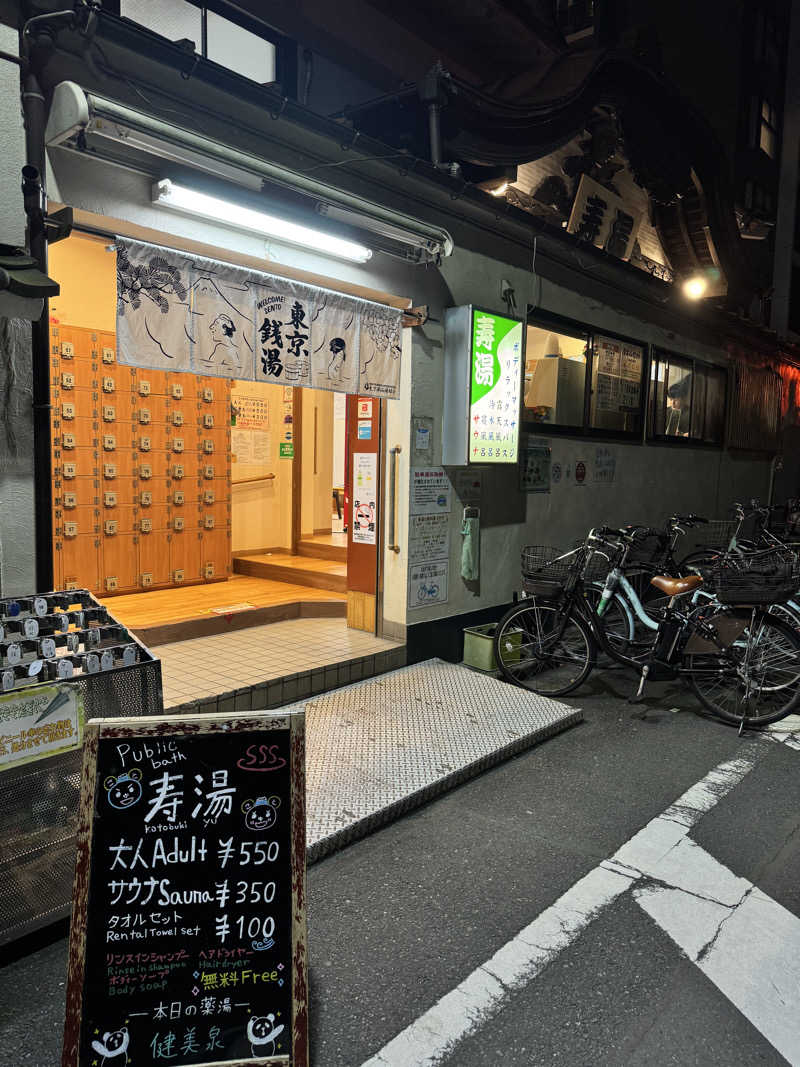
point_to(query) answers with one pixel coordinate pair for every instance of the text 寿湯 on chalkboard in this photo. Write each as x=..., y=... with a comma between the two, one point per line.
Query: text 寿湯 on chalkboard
x=188, y=940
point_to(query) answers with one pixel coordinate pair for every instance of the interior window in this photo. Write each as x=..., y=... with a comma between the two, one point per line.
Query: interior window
x=237, y=49
x=688, y=399
x=708, y=411
x=616, y=384
x=174, y=19
x=555, y=377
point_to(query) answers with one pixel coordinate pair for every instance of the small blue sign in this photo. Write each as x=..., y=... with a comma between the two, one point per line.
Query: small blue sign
x=365, y=430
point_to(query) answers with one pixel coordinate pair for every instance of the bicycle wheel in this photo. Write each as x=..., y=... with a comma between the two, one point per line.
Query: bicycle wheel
x=755, y=679
x=540, y=649
x=617, y=620
x=788, y=612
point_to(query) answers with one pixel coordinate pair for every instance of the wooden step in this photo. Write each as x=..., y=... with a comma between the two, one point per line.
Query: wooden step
x=314, y=573
x=319, y=550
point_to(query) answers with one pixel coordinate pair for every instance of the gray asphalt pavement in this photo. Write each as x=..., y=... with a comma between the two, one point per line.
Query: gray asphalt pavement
x=399, y=919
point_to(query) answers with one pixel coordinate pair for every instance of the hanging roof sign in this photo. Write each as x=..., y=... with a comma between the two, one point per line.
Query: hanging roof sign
x=185, y=313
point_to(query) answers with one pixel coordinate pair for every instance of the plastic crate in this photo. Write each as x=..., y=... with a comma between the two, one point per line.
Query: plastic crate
x=39, y=800
x=479, y=647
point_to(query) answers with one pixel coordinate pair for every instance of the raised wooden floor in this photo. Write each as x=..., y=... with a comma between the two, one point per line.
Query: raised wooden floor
x=176, y=614
x=324, y=546
x=301, y=570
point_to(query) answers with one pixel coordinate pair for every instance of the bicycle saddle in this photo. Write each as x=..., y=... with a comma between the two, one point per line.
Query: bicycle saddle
x=676, y=586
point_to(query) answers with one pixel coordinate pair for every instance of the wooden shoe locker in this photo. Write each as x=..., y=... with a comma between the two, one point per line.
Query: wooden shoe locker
x=141, y=471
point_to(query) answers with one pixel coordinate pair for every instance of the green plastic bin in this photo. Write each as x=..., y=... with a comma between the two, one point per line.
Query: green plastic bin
x=479, y=647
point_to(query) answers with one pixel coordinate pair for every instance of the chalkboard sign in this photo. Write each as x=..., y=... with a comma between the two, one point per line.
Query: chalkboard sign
x=188, y=937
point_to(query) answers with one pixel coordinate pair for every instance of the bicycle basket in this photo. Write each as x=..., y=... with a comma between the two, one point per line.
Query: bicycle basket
x=769, y=577
x=648, y=551
x=543, y=573
x=715, y=534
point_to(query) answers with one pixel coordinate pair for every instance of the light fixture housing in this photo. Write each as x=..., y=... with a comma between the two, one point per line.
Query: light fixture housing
x=188, y=201
x=85, y=122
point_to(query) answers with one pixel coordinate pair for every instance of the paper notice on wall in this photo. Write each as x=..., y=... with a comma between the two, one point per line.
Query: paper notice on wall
x=427, y=584
x=250, y=411
x=428, y=538
x=469, y=486
x=605, y=466
x=430, y=491
x=252, y=448
x=365, y=486
x=534, y=468
x=619, y=374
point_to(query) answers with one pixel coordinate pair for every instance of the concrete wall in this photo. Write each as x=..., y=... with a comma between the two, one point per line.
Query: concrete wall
x=17, y=565
x=652, y=480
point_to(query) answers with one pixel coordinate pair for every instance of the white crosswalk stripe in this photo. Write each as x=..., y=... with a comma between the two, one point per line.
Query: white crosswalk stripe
x=658, y=847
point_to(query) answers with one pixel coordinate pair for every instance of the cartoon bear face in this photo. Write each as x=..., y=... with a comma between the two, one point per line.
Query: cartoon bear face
x=115, y=1041
x=125, y=789
x=261, y=813
x=262, y=1028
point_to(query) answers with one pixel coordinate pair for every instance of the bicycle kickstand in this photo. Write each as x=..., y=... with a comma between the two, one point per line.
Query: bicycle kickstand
x=637, y=696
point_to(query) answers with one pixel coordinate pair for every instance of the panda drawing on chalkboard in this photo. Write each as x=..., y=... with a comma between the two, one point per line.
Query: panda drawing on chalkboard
x=260, y=814
x=262, y=1031
x=113, y=1045
x=124, y=790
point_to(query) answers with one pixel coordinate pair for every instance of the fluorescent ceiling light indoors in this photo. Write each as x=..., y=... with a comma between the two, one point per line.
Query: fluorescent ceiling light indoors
x=189, y=201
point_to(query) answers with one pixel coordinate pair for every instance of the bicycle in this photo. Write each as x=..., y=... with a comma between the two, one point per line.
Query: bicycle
x=738, y=549
x=742, y=663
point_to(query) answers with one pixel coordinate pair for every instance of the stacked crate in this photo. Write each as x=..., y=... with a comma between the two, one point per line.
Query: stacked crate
x=141, y=471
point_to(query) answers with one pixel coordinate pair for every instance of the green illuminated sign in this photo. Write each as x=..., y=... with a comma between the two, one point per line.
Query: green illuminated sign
x=495, y=381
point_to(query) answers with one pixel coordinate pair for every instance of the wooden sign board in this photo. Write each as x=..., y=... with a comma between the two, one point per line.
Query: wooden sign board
x=188, y=936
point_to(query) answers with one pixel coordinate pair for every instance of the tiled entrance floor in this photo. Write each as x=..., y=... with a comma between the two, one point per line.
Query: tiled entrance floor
x=205, y=667
x=377, y=749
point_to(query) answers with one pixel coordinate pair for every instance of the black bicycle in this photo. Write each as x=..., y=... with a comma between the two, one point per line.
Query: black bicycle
x=742, y=663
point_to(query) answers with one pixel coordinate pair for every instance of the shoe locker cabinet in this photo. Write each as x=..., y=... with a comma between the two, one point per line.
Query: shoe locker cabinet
x=141, y=471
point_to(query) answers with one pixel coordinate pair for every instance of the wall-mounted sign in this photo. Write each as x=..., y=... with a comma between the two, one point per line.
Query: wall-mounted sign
x=188, y=941
x=495, y=388
x=430, y=491
x=534, y=467
x=603, y=219
x=427, y=584
x=365, y=487
x=365, y=429
x=249, y=411
x=286, y=449
x=605, y=466
x=428, y=538
x=483, y=378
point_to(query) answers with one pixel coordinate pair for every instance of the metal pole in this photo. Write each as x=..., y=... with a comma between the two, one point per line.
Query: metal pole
x=393, y=454
x=33, y=107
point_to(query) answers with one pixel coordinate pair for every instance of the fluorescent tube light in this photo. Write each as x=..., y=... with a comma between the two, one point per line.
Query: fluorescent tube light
x=189, y=201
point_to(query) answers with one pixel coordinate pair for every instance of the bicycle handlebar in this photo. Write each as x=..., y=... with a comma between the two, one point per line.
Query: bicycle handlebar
x=688, y=520
x=628, y=533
